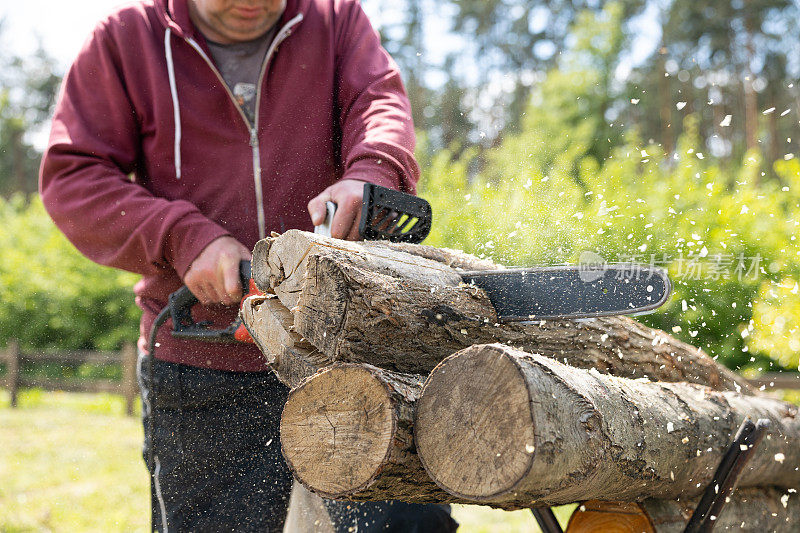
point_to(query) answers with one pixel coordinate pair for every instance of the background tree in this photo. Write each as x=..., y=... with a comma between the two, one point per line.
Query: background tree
x=564, y=124
x=512, y=40
x=27, y=92
x=718, y=59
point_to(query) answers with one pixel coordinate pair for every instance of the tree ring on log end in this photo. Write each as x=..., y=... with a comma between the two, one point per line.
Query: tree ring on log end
x=337, y=430
x=474, y=424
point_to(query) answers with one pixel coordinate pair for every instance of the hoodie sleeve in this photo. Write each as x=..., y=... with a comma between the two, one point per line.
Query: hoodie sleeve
x=86, y=177
x=375, y=114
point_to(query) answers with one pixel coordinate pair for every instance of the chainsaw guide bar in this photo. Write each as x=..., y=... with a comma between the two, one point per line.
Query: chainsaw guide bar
x=572, y=291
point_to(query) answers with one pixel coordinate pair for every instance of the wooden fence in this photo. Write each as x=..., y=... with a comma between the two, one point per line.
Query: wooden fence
x=126, y=357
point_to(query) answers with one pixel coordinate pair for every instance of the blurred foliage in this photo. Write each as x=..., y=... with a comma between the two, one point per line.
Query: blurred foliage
x=563, y=124
x=542, y=197
x=53, y=297
x=569, y=182
x=722, y=58
x=27, y=91
x=472, y=67
x=775, y=318
x=729, y=245
x=513, y=38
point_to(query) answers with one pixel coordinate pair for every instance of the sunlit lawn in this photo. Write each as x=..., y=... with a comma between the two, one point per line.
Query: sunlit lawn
x=71, y=462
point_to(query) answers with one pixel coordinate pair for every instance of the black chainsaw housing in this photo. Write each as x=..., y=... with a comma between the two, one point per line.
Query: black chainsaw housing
x=394, y=216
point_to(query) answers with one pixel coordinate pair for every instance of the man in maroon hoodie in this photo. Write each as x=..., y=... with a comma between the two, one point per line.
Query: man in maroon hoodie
x=185, y=131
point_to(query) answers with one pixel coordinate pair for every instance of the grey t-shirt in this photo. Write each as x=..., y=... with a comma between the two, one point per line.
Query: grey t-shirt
x=240, y=65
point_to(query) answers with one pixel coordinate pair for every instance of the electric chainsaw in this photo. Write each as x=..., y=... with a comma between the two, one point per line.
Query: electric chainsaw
x=517, y=294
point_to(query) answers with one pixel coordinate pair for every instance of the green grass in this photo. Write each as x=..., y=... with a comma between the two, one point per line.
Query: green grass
x=72, y=462
x=479, y=519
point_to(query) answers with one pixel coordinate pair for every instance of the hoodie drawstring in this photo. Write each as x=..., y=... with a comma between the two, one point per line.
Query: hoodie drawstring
x=175, y=109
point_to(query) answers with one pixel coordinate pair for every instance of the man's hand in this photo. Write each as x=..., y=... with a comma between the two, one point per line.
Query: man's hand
x=348, y=196
x=213, y=277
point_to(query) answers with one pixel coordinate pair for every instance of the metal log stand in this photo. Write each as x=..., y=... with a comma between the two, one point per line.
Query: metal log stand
x=714, y=497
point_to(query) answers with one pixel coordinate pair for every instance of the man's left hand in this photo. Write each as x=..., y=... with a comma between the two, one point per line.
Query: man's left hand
x=348, y=195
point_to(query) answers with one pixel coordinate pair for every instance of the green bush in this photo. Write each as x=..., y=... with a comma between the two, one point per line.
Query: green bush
x=573, y=180
x=51, y=297
x=726, y=236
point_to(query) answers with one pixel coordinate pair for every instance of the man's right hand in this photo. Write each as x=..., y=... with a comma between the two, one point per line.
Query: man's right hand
x=213, y=277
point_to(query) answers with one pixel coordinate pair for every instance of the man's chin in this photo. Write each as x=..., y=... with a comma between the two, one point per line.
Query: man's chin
x=246, y=32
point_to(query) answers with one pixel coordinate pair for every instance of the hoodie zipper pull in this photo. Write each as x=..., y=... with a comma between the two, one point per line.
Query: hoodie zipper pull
x=257, y=180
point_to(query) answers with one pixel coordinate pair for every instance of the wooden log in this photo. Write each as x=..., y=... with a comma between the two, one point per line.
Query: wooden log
x=346, y=434
x=405, y=308
x=291, y=357
x=755, y=509
x=618, y=517
x=497, y=425
x=280, y=264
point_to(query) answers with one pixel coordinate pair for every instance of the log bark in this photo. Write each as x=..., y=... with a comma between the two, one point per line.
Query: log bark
x=404, y=308
x=280, y=264
x=756, y=510
x=346, y=434
x=504, y=427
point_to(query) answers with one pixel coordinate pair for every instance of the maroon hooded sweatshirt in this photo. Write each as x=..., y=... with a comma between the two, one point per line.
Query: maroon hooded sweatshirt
x=150, y=159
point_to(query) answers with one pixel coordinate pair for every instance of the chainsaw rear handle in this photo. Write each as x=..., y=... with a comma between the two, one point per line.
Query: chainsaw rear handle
x=182, y=301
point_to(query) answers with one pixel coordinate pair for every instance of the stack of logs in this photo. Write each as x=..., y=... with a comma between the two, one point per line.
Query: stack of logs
x=405, y=386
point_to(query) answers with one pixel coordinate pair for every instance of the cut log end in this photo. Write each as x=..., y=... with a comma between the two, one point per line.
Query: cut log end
x=473, y=426
x=610, y=517
x=755, y=509
x=316, y=442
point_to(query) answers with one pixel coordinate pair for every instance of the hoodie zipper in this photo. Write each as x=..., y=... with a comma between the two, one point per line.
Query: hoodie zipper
x=284, y=32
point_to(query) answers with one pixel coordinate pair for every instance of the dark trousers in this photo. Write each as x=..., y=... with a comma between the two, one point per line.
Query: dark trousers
x=216, y=458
